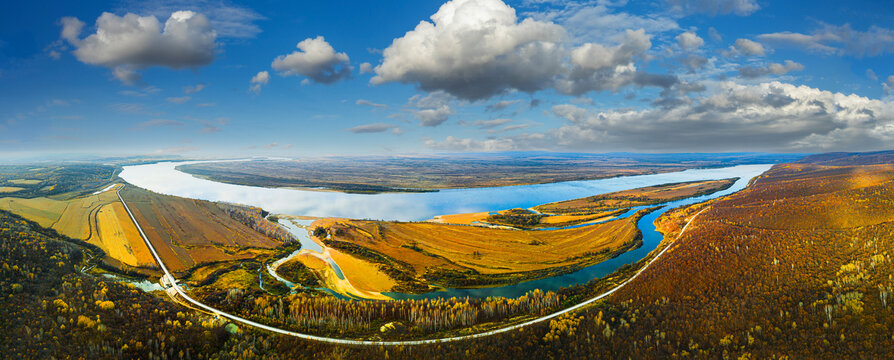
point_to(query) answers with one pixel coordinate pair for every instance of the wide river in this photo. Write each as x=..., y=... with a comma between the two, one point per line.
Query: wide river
x=164, y=178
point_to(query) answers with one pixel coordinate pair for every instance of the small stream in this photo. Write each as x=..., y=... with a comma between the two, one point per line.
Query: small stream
x=302, y=234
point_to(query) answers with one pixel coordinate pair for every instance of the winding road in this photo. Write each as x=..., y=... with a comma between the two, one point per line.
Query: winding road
x=172, y=284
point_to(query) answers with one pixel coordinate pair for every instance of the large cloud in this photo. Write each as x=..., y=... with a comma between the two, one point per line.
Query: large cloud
x=132, y=42
x=474, y=49
x=316, y=60
x=597, y=68
x=770, y=116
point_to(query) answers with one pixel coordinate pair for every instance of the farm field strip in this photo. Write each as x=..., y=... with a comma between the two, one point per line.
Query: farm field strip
x=188, y=232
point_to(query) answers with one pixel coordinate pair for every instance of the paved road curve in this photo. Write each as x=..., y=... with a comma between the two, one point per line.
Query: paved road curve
x=173, y=283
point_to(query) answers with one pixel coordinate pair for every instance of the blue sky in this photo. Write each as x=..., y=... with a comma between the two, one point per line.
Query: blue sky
x=187, y=78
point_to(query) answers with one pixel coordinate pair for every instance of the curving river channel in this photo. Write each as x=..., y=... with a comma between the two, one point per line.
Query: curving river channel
x=166, y=179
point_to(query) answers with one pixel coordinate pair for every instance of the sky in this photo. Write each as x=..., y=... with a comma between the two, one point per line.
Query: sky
x=305, y=78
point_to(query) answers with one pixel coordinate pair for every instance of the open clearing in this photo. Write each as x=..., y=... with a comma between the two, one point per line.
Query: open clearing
x=546, y=221
x=25, y=181
x=10, y=189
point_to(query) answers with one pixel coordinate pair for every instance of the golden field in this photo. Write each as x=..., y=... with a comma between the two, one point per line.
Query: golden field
x=119, y=238
x=546, y=221
x=362, y=275
x=486, y=250
x=25, y=181
x=98, y=219
x=40, y=210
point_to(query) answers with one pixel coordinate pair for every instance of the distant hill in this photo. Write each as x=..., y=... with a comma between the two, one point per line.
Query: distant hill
x=850, y=158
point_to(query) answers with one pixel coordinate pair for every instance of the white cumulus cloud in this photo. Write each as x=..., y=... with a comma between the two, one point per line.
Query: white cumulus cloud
x=596, y=67
x=474, y=49
x=730, y=116
x=690, y=41
x=749, y=47
x=259, y=80
x=316, y=60
x=131, y=42
x=768, y=116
